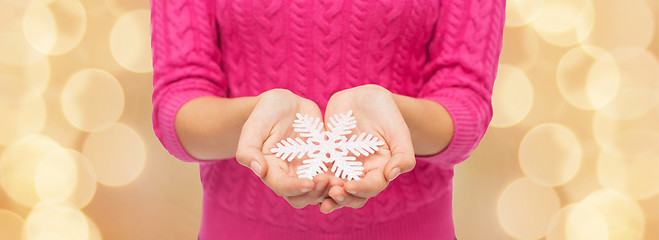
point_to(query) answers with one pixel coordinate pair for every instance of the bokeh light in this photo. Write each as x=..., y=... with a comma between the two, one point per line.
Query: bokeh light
x=94, y=232
x=23, y=82
x=65, y=174
x=574, y=137
x=624, y=218
x=56, y=176
x=521, y=12
x=117, y=154
x=585, y=81
x=512, y=98
x=521, y=46
x=15, y=50
x=39, y=26
x=20, y=120
x=56, y=220
x=130, y=41
x=618, y=24
x=10, y=225
x=525, y=209
x=550, y=154
x=18, y=165
x=565, y=22
x=92, y=100
x=55, y=26
x=637, y=94
x=85, y=187
x=578, y=222
x=119, y=7
x=626, y=138
x=638, y=177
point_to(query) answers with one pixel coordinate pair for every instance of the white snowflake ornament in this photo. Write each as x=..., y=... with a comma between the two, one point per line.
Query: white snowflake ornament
x=327, y=146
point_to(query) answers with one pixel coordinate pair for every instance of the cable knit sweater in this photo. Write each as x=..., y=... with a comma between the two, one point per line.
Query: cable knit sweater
x=444, y=50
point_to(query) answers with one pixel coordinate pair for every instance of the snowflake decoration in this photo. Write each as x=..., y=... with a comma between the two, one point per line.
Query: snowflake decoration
x=327, y=146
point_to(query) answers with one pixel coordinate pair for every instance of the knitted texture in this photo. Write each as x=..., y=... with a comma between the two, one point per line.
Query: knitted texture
x=445, y=51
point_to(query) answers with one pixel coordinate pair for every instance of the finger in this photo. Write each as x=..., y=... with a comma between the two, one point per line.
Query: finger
x=341, y=197
x=400, y=162
x=328, y=205
x=334, y=181
x=402, y=153
x=252, y=158
x=369, y=186
x=284, y=185
x=315, y=196
x=250, y=144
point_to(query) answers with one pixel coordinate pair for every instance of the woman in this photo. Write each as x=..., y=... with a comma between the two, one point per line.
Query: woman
x=230, y=76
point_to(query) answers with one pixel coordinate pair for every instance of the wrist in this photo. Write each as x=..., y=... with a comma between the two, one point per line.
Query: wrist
x=430, y=124
x=209, y=127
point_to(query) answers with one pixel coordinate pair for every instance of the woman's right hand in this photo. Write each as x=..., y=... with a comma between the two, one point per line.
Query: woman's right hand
x=270, y=122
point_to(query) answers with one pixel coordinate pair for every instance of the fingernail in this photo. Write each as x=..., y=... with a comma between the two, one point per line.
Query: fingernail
x=305, y=190
x=256, y=167
x=340, y=198
x=394, y=173
x=351, y=191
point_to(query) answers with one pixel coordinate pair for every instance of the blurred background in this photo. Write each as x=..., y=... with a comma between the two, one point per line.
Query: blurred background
x=572, y=151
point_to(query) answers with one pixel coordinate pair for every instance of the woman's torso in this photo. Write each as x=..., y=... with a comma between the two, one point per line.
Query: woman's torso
x=316, y=48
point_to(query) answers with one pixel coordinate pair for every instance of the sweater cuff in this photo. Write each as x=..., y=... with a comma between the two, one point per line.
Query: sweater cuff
x=167, y=122
x=466, y=132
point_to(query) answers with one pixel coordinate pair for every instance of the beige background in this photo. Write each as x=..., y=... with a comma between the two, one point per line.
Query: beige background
x=572, y=151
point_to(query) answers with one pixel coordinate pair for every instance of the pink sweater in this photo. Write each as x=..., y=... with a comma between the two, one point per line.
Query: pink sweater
x=446, y=51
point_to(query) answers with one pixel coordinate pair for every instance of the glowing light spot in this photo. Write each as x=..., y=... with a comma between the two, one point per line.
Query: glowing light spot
x=49, y=236
x=23, y=83
x=513, y=96
x=39, y=27
x=626, y=138
x=637, y=94
x=86, y=186
x=66, y=175
x=15, y=50
x=130, y=41
x=92, y=100
x=117, y=153
x=585, y=81
x=56, y=176
x=18, y=165
x=521, y=12
x=621, y=24
x=637, y=177
x=565, y=22
x=550, y=154
x=524, y=209
x=56, y=220
x=94, y=232
x=624, y=217
x=521, y=47
x=578, y=222
x=54, y=27
x=18, y=121
x=10, y=225
x=119, y=7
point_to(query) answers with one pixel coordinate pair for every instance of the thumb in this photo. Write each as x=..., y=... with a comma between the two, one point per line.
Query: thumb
x=252, y=158
x=400, y=162
x=402, y=156
x=248, y=152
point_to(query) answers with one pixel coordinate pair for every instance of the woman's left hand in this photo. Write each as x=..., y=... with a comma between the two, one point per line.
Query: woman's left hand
x=376, y=113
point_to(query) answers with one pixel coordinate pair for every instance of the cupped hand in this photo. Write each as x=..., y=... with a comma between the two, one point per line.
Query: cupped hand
x=270, y=122
x=376, y=113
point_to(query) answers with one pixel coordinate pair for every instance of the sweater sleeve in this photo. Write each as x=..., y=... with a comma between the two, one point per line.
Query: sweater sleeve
x=463, y=54
x=186, y=63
